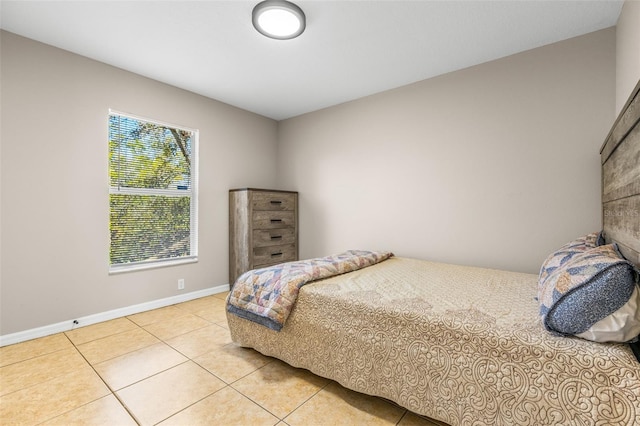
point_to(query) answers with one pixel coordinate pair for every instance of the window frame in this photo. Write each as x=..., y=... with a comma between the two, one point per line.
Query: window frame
x=193, y=191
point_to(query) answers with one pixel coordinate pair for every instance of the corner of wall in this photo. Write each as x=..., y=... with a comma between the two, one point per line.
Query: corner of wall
x=627, y=52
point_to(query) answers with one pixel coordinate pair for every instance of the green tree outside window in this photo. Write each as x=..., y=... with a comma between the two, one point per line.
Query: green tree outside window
x=151, y=196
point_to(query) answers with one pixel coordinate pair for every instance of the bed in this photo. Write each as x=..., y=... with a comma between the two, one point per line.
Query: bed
x=466, y=345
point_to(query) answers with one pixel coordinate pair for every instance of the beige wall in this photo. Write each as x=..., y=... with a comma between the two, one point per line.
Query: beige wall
x=494, y=165
x=55, y=239
x=627, y=52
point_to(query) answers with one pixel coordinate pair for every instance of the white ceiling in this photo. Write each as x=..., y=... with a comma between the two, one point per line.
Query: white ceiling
x=350, y=49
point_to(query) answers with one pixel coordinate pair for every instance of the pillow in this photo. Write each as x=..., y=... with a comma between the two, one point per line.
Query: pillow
x=592, y=295
x=621, y=326
x=568, y=251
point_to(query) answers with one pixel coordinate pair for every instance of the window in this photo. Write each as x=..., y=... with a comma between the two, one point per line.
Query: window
x=152, y=193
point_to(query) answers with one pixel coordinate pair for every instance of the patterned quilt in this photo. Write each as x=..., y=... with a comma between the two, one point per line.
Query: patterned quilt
x=267, y=295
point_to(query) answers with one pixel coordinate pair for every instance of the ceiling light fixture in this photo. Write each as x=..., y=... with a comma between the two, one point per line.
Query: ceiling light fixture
x=279, y=19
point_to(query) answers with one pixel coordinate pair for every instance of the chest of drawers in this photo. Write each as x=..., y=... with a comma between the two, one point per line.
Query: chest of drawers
x=263, y=229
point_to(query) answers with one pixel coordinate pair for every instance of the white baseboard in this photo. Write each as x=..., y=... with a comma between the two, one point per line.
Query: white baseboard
x=60, y=327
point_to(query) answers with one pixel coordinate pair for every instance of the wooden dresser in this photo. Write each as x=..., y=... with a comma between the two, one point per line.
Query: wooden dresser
x=263, y=229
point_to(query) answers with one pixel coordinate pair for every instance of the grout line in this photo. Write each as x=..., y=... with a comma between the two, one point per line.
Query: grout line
x=200, y=400
x=98, y=338
x=33, y=385
x=117, y=334
x=402, y=417
x=31, y=358
x=105, y=383
x=266, y=409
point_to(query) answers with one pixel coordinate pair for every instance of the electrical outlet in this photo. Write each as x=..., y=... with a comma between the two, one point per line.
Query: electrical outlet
x=181, y=284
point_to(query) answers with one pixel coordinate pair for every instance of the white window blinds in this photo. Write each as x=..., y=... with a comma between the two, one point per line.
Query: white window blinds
x=152, y=193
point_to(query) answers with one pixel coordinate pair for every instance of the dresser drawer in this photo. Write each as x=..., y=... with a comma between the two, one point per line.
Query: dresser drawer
x=265, y=256
x=273, y=237
x=273, y=201
x=273, y=219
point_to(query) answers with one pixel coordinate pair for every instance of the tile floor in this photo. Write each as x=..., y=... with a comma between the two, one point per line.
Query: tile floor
x=172, y=366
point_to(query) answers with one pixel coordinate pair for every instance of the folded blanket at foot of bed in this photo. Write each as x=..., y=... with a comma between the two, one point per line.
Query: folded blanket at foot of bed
x=267, y=295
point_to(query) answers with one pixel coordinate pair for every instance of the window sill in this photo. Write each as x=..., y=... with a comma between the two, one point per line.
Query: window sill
x=120, y=269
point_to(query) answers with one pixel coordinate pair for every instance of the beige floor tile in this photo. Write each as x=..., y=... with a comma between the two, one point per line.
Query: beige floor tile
x=209, y=308
x=200, y=304
x=222, y=296
x=176, y=326
x=110, y=347
x=217, y=316
x=155, y=315
x=97, y=331
x=38, y=370
x=53, y=398
x=201, y=341
x=138, y=365
x=412, y=419
x=33, y=348
x=280, y=388
x=163, y=395
x=225, y=407
x=106, y=411
x=232, y=362
x=336, y=405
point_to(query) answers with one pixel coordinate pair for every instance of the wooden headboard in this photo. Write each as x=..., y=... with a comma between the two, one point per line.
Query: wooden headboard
x=620, y=156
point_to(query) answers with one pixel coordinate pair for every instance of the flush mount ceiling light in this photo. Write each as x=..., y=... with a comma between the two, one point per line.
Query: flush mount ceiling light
x=278, y=19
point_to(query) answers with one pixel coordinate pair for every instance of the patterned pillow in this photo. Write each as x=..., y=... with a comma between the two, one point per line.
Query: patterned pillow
x=586, y=289
x=567, y=252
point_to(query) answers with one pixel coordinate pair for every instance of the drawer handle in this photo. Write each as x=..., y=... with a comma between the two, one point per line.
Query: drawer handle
x=276, y=220
x=276, y=202
x=276, y=254
x=276, y=237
